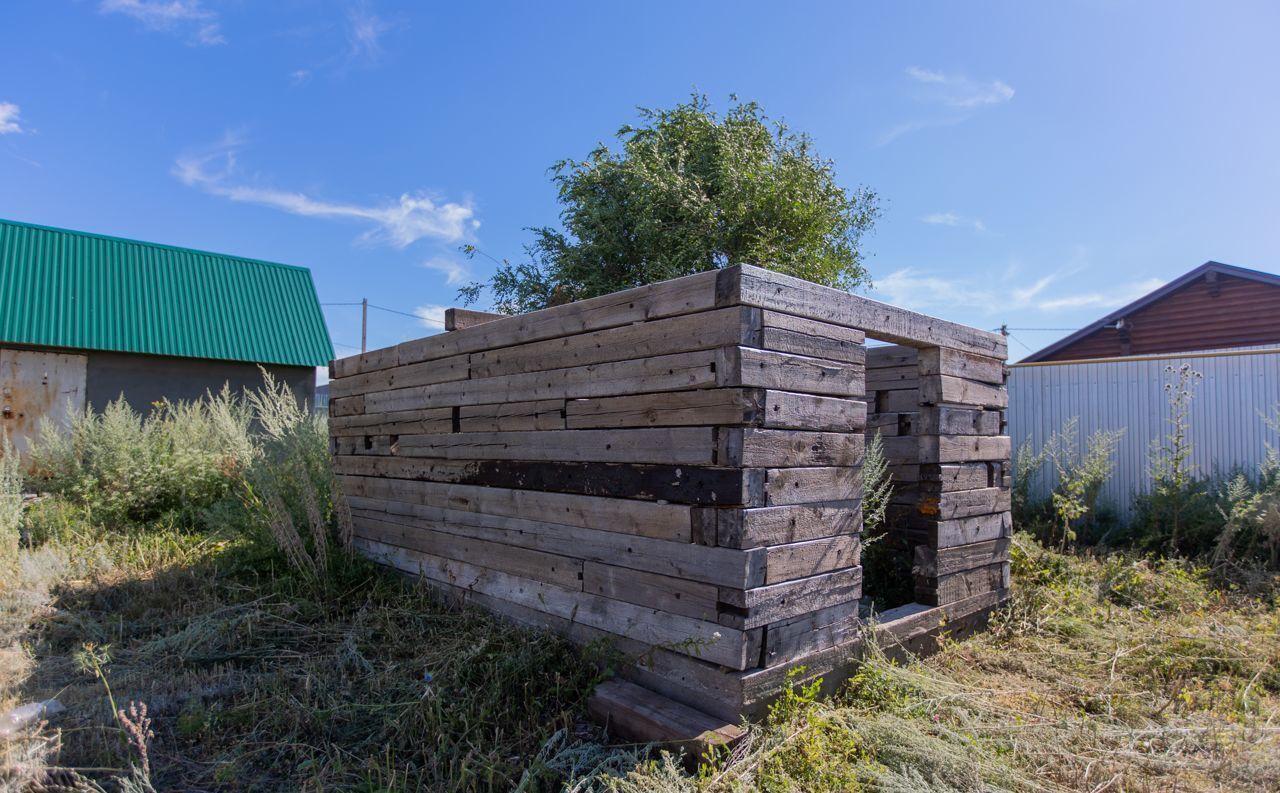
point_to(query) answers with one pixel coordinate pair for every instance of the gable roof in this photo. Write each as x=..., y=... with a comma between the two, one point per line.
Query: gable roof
x=62, y=288
x=1152, y=297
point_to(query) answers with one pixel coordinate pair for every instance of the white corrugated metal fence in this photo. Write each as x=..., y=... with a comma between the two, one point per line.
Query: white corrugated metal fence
x=1227, y=430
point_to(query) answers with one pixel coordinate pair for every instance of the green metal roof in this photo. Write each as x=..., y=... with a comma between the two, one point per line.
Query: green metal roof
x=62, y=288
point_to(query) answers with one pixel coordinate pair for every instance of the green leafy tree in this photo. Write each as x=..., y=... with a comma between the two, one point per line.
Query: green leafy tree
x=689, y=191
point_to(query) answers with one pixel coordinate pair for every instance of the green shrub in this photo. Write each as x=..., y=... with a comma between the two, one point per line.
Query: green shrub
x=125, y=469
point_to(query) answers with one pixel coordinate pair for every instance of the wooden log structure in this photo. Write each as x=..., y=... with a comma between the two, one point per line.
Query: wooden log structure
x=677, y=469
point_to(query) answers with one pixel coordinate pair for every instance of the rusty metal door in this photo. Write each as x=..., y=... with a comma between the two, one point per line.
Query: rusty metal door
x=34, y=385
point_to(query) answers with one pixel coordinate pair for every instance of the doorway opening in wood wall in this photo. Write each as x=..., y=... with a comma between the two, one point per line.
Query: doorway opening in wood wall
x=893, y=411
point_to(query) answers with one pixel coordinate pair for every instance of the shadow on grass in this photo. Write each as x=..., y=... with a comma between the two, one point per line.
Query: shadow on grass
x=256, y=681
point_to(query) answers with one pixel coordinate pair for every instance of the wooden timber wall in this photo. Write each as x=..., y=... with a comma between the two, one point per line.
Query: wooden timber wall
x=675, y=468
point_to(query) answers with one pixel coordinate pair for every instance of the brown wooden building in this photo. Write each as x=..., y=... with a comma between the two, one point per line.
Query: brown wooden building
x=1215, y=306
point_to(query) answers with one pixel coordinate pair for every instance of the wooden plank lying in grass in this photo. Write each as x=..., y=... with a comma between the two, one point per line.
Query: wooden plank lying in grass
x=707, y=640
x=638, y=714
x=545, y=414
x=702, y=331
x=777, y=292
x=716, y=566
x=639, y=518
x=678, y=484
x=809, y=558
x=752, y=608
x=754, y=528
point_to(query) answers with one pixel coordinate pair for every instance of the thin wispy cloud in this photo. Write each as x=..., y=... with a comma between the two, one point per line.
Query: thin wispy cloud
x=431, y=316
x=299, y=76
x=198, y=24
x=952, y=99
x=364, y=33
x=955, y=90
x=454, y=272
x=415, y=216
x=931, y=292
x=9, y=121
x=954, y=220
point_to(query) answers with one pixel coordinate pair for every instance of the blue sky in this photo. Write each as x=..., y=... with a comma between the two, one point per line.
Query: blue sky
x=1039, y=163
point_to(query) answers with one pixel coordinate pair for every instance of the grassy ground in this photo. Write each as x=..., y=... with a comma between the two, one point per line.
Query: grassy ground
x=1103, y=674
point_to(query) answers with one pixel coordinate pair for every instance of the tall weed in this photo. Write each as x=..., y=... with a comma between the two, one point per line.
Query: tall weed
x=10, y=501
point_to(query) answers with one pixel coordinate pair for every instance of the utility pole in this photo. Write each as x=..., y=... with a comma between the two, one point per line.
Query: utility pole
x=364, y=324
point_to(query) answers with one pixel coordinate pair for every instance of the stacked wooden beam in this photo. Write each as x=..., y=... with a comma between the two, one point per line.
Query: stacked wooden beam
x=675, y=468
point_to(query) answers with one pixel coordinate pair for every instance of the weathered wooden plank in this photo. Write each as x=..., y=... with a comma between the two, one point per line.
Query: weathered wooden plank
x=931, y=562
x=786, y=409
x=806, y=634
x=965, y=503
x=943, y=389
x=707, y=640
x=365, y=445
x=350, y=406
x=754, y=528
x=789, y=333
x=463, y=318
x=717, y=566
x=701, y=331
x=891, y=425
x=966, y=531
x=418, y=374
x=784, y=486
x=350, y=366
x=901, y=448
x=665, y=299
x=891, y=355
x=563, y=571
x=658, y=446
x=959, y=586
x=640, y=715
x=960, y=476
x=674, y=483
x=544, y=414
x=661, y=373
x=640, y=518
x=751, y=608
x=959, y=421
x=707, y=407
x=777, y=292
x=406, y=421
x=767, y=448
x=889, y=378
x=898, y=401
x=958, y=363
x=665, y=593
x=746, y=366
x=964, y=448
x=809, y=558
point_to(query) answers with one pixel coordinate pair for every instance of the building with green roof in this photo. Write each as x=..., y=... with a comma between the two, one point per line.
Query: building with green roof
x=86, y=318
